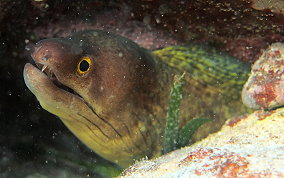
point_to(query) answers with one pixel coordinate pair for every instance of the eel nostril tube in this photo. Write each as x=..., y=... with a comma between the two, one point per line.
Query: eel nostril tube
x=30, y=47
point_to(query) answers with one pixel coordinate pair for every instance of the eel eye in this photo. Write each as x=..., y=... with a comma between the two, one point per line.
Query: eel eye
x=84, y=65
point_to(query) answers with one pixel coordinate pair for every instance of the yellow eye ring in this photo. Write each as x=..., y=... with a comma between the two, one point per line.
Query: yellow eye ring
x=84, y=65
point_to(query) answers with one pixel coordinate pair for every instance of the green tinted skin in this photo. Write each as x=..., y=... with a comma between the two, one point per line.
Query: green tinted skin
x=118, y=106
x=214, y=82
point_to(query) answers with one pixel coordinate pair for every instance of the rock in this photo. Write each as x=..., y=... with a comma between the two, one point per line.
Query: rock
x=265, y=86
x=246, y=146
x=276, y=6
x=115, y=21
x=250, y=49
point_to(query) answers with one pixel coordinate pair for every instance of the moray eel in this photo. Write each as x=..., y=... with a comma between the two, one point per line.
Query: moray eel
x=113, y=94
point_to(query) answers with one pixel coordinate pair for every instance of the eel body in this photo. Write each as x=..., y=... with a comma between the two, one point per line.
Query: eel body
x=113, y=94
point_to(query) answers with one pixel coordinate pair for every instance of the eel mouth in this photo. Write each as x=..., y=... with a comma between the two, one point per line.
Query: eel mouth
x=46, y=70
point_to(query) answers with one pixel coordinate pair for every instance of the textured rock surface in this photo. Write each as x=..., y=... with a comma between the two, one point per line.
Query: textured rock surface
x=251, y=145
x=265, y=86
x=222, y=21
x=276, y=6
x=120, y=23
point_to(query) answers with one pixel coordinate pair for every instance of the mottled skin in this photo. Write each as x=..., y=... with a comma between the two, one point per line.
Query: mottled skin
x=118, y=108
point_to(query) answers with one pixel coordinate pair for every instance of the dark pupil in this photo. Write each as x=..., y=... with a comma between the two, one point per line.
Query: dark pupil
x=84, y=66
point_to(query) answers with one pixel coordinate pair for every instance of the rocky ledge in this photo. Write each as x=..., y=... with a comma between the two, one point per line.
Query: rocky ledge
x=251, y=145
